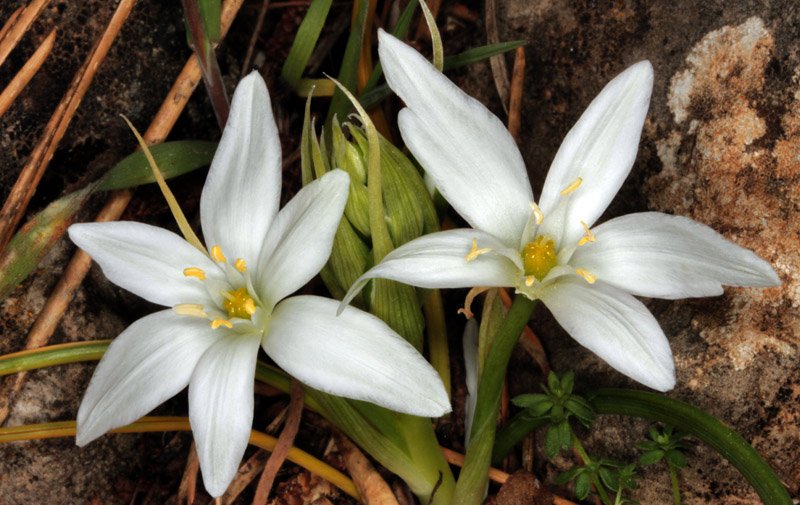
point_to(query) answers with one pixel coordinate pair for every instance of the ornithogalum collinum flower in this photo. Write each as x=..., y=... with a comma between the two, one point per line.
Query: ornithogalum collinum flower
x=226, y=303
x=550, y=252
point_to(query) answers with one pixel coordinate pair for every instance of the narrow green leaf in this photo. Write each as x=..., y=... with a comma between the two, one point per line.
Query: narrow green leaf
x=400, y=31
x=173, y=158
x=552, y=441
x=210, y=11
x=582, y=486
x=676, y=458
x=305, y=41
x=651, y=457
x=348, y=72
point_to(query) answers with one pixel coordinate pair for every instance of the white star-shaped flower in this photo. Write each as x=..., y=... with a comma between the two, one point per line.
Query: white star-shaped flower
x=226, y=304
x=585, y=276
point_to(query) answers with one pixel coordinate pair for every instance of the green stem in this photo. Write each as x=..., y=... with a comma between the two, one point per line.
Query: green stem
x=676, y=487
x=729, y=444
x=587, y=461
x=437, y=337
x=471, y=485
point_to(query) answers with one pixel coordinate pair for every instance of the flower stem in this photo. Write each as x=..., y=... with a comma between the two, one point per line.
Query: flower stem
x=676, y=487
x=587, y=461
x=437, y=337
x=471, y=485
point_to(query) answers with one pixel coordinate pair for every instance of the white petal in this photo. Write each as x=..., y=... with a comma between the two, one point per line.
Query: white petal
x=146, y=260
x=146, y=364
x=243, y=188
x=600, y=148
x=221, y=408
x=659, y=255
x=439, y=260
x=355, y=355
x=468, y=152
x=299, y=242
x=615, y=326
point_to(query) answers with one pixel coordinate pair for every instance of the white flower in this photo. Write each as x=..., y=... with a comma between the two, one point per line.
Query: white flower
x=226, y=305
x=585, y=276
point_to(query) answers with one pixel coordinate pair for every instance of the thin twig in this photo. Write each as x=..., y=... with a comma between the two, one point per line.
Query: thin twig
x=371, y=486
x=497, y=62
x=188, y=486
x=26, y=73
x=11, y=20
x=262, y=13
x=515, y=94
x=28, y=180
x=285, y=441
x=13, y=34
x=78, y=267
x=456, y=458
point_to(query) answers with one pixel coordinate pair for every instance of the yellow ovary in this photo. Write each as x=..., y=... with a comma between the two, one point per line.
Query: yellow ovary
x=539, y=257
x=239, y=303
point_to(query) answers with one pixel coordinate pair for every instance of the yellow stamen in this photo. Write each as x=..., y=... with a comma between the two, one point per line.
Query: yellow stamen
x=475, y=252
x=240, y=265
x=239, y=303
x=589, y=237
x=216, y=323
x=587, y=275
x=537, y=213
x=572, y=186
x=194, y=272
x=216, y=254
x=190, y=309
x=467, y=309
x=539, y=257
x=529, y=280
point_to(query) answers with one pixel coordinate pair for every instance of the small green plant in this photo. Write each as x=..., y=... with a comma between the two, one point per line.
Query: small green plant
x=667, y=445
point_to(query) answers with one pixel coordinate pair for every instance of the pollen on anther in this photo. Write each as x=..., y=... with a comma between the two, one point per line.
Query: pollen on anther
x=587, y=275
x=240, y=265
x=529, y=280
x=537, y=213
x=588, y=237
x=216, y=323
x=216, y=254
x=572, y=186
x=194, y=272
x=475, y=252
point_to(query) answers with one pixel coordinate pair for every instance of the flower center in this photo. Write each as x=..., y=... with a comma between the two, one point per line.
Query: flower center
x=539, y=256
x=239, y=303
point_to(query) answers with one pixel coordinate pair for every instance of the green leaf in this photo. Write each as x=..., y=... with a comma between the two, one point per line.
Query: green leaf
x=582, y=486
x=530, y=400
x=552, y=441
x=565, y=434
x=35, y=239
x=348, y=72
x=609, y=477
x=305, y=41
x=477, y=54
x=210, y=11
x=581, y=409
x=553, y=383
x=567, y=383
x=567, y=476
x=676, y=458
x=173, y=158
x=651, y=457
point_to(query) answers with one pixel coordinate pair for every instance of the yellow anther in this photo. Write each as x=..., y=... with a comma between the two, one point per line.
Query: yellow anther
x=240, y=265
x=194, y=272
x=216, y=323
x=539, y=257
x=572, y=186
x=529, y=280
x=537, y=213
x=239, y=303
x=190, y=309
x=216, y=254
x=587, y=275
x=589, y=237
x=475, y=252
